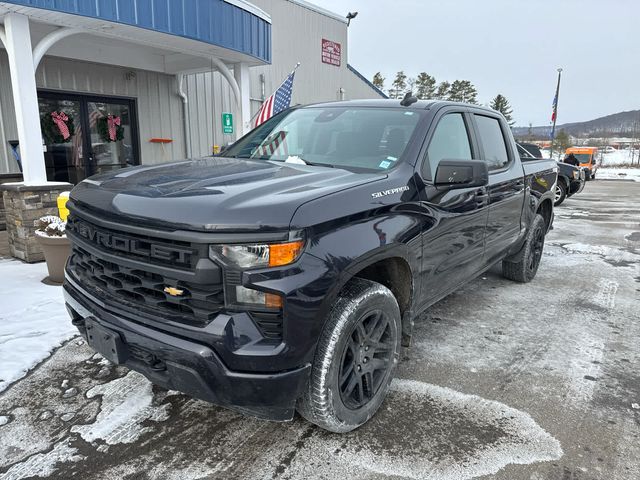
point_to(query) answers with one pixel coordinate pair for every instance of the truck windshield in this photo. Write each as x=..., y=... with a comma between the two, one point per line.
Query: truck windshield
x=349, y=137
x=583, y=157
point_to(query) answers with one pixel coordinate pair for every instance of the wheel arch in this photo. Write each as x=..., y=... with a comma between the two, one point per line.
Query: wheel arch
x=545, y=208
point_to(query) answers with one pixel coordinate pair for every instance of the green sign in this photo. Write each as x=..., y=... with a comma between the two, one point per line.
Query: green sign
x=227, y=123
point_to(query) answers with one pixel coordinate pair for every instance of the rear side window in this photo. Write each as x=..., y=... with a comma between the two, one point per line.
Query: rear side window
x=493, y=144
x=450, y=141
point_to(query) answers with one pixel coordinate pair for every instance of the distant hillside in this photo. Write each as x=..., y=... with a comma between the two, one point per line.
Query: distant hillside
x=617, y=125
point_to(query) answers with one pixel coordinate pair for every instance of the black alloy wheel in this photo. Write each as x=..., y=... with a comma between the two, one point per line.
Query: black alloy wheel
x=535, y=252
x=366, y=359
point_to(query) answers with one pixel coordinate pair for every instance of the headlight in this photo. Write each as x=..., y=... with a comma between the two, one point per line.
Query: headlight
x=256, y=256
x=576, y=174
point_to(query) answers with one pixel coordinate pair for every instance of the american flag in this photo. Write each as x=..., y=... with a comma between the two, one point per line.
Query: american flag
x=277, y=102
x=275, y=144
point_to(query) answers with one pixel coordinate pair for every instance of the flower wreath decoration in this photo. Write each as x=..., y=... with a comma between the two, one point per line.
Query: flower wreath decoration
x=110, y=128
x=57, y=127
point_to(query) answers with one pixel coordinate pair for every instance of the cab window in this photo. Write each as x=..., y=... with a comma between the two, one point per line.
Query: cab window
x=450, y=141
x=493, y=143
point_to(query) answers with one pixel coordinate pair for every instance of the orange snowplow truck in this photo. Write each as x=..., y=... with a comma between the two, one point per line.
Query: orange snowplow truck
x=587, y=158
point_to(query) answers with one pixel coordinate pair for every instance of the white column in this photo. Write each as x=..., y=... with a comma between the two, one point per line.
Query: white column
x=241, y=74
x=25, y=97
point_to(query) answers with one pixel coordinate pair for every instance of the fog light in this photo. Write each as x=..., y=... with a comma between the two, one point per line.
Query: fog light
x=248, y=296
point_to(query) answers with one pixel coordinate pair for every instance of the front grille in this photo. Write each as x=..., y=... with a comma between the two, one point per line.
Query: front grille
x=155, y=250
x=131, y=272
x=142, y=290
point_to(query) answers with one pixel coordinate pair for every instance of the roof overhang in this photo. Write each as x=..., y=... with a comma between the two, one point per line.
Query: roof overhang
x=181, y=38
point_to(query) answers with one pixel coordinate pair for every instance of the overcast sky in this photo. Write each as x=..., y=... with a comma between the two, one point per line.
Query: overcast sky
x=513, y=47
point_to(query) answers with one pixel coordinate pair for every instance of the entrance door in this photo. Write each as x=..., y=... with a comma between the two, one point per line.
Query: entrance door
x=63, y=139
x=110, y=135
x=86, y=135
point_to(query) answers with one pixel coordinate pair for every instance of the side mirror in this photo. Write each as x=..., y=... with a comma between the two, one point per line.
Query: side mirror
x=454, y=174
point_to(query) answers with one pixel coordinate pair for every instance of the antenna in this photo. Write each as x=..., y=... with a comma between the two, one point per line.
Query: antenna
x=408, y=100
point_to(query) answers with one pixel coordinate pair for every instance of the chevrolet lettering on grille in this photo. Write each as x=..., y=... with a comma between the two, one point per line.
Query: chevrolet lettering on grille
x=131, y=245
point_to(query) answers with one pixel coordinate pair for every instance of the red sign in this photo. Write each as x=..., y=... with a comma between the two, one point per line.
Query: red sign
x=331, y=52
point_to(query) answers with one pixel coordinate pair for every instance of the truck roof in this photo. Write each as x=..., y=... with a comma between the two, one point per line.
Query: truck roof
x=395, y=102
x=581, y=150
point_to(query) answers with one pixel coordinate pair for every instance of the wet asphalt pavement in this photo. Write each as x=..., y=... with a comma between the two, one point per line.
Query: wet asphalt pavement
x=504, y=381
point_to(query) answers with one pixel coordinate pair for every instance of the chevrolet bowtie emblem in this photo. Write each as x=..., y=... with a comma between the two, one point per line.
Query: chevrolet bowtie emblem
x=174, y=292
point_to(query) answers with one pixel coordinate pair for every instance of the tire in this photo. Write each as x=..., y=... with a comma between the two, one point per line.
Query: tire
x=365, y=318
x=560, y=194
x=523, y=266
x=593, y=176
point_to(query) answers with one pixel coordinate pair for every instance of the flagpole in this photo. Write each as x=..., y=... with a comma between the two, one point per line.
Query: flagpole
x=555, y=112
x=285, y=79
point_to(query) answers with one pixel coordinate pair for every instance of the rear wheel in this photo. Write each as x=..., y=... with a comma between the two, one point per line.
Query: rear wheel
x=355, y=359
x=560, y=194
x=523, y=266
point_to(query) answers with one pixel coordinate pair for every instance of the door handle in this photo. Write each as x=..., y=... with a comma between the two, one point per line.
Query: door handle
x=481, y=196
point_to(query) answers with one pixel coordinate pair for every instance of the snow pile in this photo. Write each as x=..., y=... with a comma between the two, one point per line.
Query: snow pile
x=33, y=319
x=127, y=405
x=618, y=173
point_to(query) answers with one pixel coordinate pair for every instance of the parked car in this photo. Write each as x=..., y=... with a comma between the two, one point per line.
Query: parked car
x=587, y=158
x=571, y=179
x=286, y=274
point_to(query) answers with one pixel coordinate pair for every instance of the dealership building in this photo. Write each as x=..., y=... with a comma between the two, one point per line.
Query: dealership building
x=91, y=86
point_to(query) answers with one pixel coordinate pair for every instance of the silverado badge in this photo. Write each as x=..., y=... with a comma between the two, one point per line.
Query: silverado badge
x=174, y=292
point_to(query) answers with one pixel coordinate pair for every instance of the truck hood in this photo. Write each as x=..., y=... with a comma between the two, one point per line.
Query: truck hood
x=214, y=194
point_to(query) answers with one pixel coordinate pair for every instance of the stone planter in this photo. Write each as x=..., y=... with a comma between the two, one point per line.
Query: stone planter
x=56, y=251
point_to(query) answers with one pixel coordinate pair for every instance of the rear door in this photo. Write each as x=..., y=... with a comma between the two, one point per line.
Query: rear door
x=453, y=236
x=506, y=184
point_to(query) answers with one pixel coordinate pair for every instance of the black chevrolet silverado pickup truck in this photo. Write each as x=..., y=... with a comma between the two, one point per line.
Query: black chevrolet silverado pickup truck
x=286, y=273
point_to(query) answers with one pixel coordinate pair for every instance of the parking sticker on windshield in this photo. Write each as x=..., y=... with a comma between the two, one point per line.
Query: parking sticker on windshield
x=385, y=164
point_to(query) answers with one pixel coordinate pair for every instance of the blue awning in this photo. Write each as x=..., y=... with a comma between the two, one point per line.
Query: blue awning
x=235, y=25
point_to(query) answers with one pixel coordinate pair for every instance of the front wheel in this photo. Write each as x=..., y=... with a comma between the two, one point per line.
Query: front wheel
x=523, y=266
x=560, y=194
x=355, y=358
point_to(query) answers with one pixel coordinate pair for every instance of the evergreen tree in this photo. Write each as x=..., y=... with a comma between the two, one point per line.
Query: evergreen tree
x=442, y=92
x=463, y=91
x=399, y=85
x=501, y=104
x=561, y=142
x=425, y=86
x=378, y=81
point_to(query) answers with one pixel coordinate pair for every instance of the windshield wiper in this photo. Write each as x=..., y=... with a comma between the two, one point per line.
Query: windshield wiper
x=318, y=164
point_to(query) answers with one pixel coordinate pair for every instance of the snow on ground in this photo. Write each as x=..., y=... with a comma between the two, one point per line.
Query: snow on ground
x=608, y=173
x=33, y=319
x=619, y=157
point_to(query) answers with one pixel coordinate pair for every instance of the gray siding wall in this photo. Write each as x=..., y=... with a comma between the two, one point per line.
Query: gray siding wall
x=160, y=112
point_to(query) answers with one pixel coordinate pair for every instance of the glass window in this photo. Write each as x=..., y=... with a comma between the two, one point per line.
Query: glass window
x=450, y=141
x=493, y=144
x=349, y=137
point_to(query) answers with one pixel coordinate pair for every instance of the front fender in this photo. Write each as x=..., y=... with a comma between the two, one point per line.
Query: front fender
x=348, y=250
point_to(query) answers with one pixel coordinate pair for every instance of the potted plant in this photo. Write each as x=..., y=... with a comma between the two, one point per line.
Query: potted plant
x=55, y=245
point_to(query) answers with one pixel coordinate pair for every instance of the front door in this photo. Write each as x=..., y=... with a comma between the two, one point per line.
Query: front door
x=86, y=135
x=453, y=242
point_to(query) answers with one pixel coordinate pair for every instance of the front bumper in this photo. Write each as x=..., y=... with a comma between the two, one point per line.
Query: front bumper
x=176, y=363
